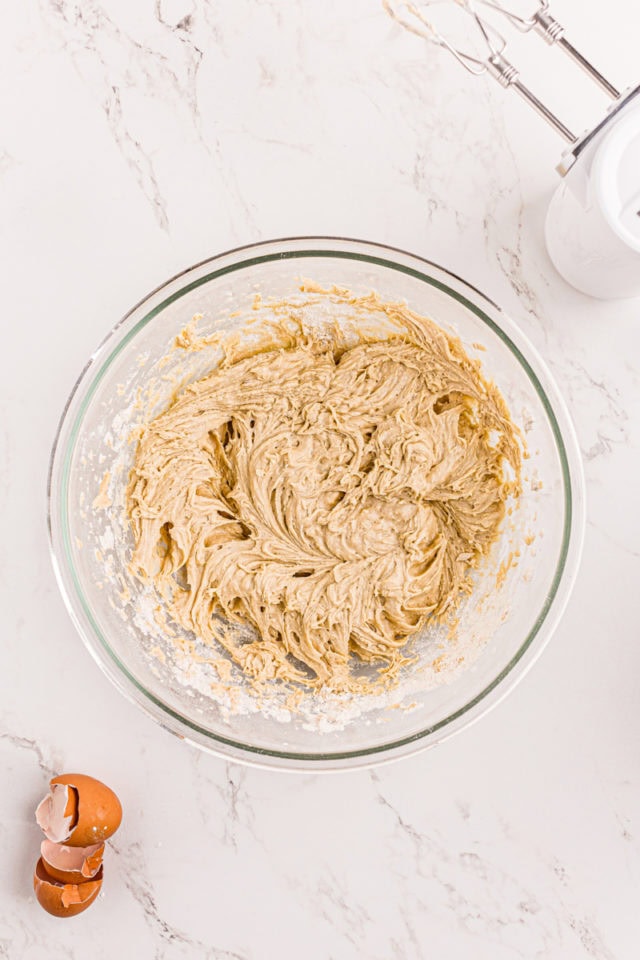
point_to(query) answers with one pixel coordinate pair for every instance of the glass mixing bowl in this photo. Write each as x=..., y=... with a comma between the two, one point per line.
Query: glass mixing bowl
x=520, y=591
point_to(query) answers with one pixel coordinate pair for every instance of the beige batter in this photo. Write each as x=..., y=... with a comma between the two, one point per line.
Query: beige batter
x=333, y=497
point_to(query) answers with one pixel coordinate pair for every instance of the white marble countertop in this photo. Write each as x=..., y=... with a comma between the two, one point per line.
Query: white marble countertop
x=138, y=138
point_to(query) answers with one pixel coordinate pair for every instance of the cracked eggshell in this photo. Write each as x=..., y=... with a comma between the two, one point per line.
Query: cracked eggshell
x=57, y=814
x=71, y=864
x=64, y=899
x=79, y=811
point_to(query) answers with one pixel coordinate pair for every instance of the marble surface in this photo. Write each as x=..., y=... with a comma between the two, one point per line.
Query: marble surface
x=137, y=138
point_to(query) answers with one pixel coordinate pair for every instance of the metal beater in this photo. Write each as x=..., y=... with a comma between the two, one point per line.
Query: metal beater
x=593, y=225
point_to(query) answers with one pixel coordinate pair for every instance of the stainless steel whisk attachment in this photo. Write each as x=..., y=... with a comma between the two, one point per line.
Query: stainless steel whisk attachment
x=419, y=17
x=592, y=228
x=544, y=24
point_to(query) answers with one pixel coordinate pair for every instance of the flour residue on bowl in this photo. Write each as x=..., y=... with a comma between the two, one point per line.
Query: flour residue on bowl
x=217, y=664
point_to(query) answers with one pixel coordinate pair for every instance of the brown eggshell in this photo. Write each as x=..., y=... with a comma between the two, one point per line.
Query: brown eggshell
x=99, y=810
x=64, y=899
x=71, y=864
x=57, y=813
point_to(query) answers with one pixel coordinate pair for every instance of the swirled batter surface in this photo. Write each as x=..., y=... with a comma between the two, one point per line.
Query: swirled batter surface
x=333, y=497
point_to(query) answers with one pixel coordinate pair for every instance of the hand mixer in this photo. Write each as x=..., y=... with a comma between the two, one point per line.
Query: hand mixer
x=593, y=222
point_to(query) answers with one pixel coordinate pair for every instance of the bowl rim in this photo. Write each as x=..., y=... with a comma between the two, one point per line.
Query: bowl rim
x=377, y=254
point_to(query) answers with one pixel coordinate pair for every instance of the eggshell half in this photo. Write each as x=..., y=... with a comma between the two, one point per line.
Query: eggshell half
x=71, y=864
x=64, y=899
x=57, y=814
x=98, y=812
